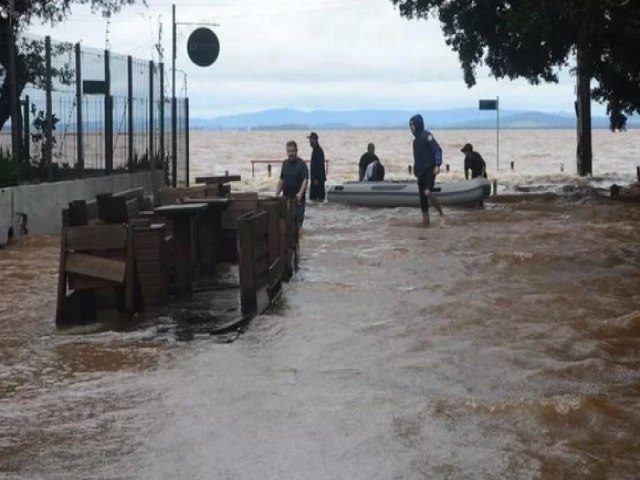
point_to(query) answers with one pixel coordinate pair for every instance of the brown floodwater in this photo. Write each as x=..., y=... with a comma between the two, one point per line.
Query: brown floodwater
x=505, y=345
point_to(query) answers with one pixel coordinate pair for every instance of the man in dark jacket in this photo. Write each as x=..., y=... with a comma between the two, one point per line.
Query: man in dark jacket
x=365, y=160
x=318, y=175
x=473, y=162
x=375, y=172
x=427, y=158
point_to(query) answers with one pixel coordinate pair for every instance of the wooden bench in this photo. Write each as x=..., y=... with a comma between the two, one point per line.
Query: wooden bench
x=92, y=258
x=153, y=243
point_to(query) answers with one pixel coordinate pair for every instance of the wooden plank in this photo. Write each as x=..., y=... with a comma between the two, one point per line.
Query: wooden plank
x=82, y=282
x=62, y=280
x=260, y=250
x=213, y=202
x=130, y=271
x=152, y=266
x=131, y=194
x=170, y=196
x=218, y=179
x=245, y=268
x=260, y=223
x=261, y=266
x=103, y=201
x=96, y=267
x=133, y=209
x=180, y=209
x=275, y=272
x=92, y=210
x=95, y=237
x=77, y=213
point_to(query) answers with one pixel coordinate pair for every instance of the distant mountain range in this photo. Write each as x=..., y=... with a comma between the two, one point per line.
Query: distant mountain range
x=467, y=118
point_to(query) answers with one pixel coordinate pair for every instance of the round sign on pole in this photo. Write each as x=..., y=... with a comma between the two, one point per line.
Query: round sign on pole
x=203, y=47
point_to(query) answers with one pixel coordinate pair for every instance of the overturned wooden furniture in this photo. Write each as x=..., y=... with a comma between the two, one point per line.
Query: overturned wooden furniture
x=154, y=254
x=267, y=249
x=153, y=240
x=120, y=207
x=186, y=248
x=240, y=203
x=94, y=258
x=210, y=230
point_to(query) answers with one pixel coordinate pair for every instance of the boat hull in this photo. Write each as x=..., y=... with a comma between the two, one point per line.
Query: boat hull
x=405, y=194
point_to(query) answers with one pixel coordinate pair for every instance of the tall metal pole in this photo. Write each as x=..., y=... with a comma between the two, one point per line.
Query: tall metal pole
x=163, y=156
x=186, y=139
x=151, y=156
x=79, y=133
x=108, y=116
x=174, y=109
x=497, y=133
x=27, y=132
x=130, y=112
x=48, y=124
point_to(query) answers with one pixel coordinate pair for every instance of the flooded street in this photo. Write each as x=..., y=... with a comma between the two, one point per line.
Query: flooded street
x=504, y=345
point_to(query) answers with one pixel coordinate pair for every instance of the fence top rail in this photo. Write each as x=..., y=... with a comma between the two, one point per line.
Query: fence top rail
x=278, y=161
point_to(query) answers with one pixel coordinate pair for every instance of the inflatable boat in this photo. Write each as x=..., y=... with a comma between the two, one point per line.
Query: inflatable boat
x=405, y=194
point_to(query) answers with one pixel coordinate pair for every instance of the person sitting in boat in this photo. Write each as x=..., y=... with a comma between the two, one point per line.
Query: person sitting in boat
x=374, y=172
x=626, y=194
x=366, y=160
x=473, y=162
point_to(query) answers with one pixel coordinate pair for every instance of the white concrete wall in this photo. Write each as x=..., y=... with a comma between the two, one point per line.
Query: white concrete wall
x=43, y=203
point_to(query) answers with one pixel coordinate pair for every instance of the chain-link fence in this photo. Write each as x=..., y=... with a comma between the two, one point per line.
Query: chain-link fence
x=86, y=112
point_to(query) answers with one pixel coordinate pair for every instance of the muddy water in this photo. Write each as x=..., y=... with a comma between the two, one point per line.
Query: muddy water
x=504, y=345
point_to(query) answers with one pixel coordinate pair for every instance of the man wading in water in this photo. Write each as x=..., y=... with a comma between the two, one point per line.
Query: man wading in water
x=427, y=158
x=293, y=181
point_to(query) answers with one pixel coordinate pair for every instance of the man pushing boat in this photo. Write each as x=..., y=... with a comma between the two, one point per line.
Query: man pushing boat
x=427, y=158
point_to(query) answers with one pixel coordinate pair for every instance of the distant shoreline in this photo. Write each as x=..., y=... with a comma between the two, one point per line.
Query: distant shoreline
x=289, y=128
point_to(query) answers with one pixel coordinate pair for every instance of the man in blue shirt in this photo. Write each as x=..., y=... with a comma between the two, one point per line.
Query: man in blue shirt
x=427, y=158
x=294, y=177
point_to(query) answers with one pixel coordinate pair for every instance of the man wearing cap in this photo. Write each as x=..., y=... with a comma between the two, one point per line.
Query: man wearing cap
x=318, y=175
x=473, y=161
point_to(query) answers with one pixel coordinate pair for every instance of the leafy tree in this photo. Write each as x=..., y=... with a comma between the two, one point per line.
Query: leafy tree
x=534, y=39
x=29, y=55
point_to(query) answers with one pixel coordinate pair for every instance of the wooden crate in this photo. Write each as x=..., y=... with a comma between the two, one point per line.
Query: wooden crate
x=152, y=254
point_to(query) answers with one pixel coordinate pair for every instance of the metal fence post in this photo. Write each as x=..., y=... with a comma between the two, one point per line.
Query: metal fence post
x=162, y=149
x=186, y=137
x=151, y=154
x=79, y=132
x=27, y=127
x=174, y=142
x=108, y=117
x=130, y=112
x=174, y=105
x=48, y=124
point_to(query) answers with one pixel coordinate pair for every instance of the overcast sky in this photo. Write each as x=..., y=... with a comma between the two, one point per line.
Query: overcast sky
x=309, y=54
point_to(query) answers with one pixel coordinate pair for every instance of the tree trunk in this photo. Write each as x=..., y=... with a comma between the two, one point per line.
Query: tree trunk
x=5, y=89
x=583, y=112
